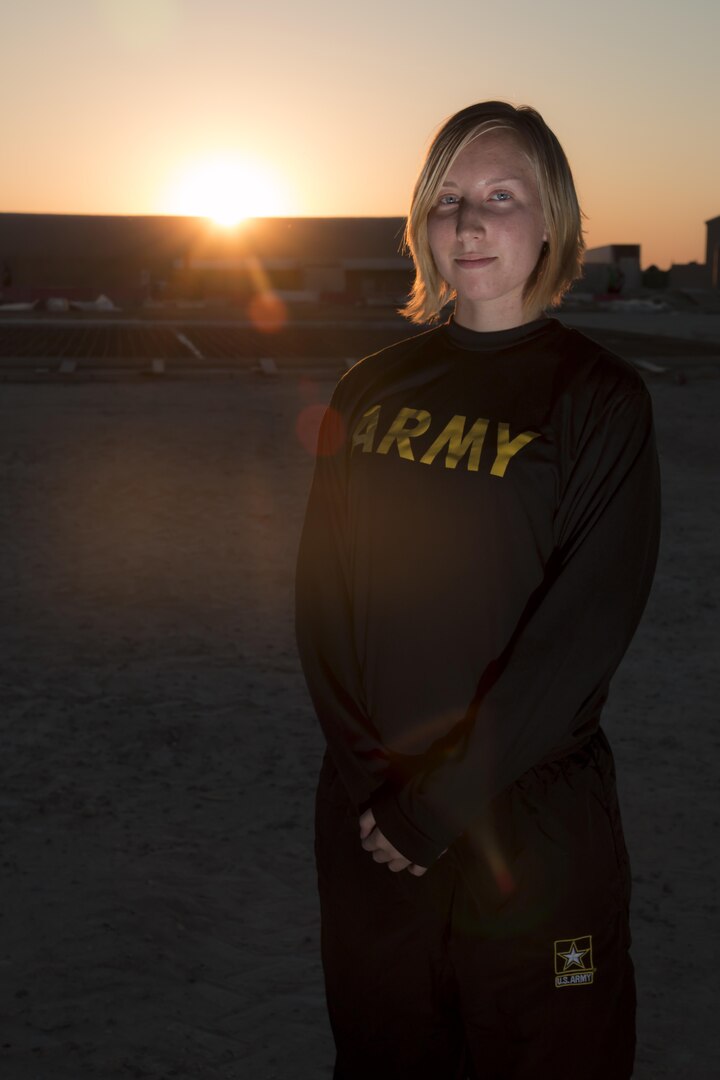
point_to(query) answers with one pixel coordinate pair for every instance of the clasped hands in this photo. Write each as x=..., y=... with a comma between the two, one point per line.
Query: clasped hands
x=372, y=839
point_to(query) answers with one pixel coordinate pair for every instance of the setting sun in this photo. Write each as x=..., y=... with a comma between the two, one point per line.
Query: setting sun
x=227, y=190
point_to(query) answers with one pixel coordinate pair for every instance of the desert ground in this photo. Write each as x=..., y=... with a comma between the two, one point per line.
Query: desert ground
x=159, y=752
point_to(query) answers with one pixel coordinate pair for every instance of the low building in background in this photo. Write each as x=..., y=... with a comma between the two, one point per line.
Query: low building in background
x=690, y=276
x=613, y=269
x=138, y=260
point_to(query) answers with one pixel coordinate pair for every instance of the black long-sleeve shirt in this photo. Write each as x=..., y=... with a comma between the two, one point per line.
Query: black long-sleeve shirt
x=479, y=544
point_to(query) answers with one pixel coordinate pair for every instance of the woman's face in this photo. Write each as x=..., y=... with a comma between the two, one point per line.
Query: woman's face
x=486, y=230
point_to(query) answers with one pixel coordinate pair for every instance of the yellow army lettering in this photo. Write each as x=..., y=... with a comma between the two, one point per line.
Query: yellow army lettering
x=400, y=434
x=411, y=423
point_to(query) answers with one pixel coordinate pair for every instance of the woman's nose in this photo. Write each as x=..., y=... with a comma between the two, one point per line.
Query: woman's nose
x=470, y=220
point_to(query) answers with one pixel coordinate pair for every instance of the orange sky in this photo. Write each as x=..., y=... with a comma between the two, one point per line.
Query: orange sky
x=112, y=106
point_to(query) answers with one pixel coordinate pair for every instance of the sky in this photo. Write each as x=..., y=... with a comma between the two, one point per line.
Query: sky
x=325, y=108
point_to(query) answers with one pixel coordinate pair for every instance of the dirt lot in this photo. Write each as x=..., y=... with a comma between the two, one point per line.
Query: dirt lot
x=159, y=753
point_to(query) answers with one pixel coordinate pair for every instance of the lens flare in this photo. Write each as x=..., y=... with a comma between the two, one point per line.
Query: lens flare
x=267, y=312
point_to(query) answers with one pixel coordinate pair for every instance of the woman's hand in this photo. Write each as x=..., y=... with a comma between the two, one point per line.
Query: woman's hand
x=372, y=839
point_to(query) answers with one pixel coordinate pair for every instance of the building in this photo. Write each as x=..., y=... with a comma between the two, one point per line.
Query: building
x=700, y=276
x=136, y=259
x=712, y=258
x=688, y=276
x=612, y=269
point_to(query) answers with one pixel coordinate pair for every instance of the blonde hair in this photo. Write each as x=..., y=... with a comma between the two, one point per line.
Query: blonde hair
x=560, y=260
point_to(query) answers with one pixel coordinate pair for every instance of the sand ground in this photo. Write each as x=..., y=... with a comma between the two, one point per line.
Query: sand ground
x=159, y=753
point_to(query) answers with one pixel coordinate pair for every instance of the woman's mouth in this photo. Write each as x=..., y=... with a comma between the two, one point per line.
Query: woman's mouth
x=470, y=263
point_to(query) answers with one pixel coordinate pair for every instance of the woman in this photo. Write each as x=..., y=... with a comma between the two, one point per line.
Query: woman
x=479, y=544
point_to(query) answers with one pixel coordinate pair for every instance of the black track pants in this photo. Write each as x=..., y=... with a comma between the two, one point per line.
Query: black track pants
x=508, y=959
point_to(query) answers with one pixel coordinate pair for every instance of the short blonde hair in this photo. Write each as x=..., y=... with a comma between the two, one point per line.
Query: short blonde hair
x=561, y=256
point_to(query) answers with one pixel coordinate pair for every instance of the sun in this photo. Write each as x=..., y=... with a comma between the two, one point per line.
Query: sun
x=227, y=190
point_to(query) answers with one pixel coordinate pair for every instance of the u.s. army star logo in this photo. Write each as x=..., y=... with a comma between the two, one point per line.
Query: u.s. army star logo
x=574, y=961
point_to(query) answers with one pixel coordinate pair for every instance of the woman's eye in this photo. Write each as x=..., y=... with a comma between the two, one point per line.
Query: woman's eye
x=447, y=200
x=502, y=196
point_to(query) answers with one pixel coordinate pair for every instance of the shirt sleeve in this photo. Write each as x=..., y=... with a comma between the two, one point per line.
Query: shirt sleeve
x=549, y=685
x=323, y=615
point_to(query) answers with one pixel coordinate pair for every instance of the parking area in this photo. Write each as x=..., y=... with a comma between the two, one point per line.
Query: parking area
x=32, y=347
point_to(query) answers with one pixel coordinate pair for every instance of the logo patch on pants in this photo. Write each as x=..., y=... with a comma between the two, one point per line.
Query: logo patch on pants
x=574, y=961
